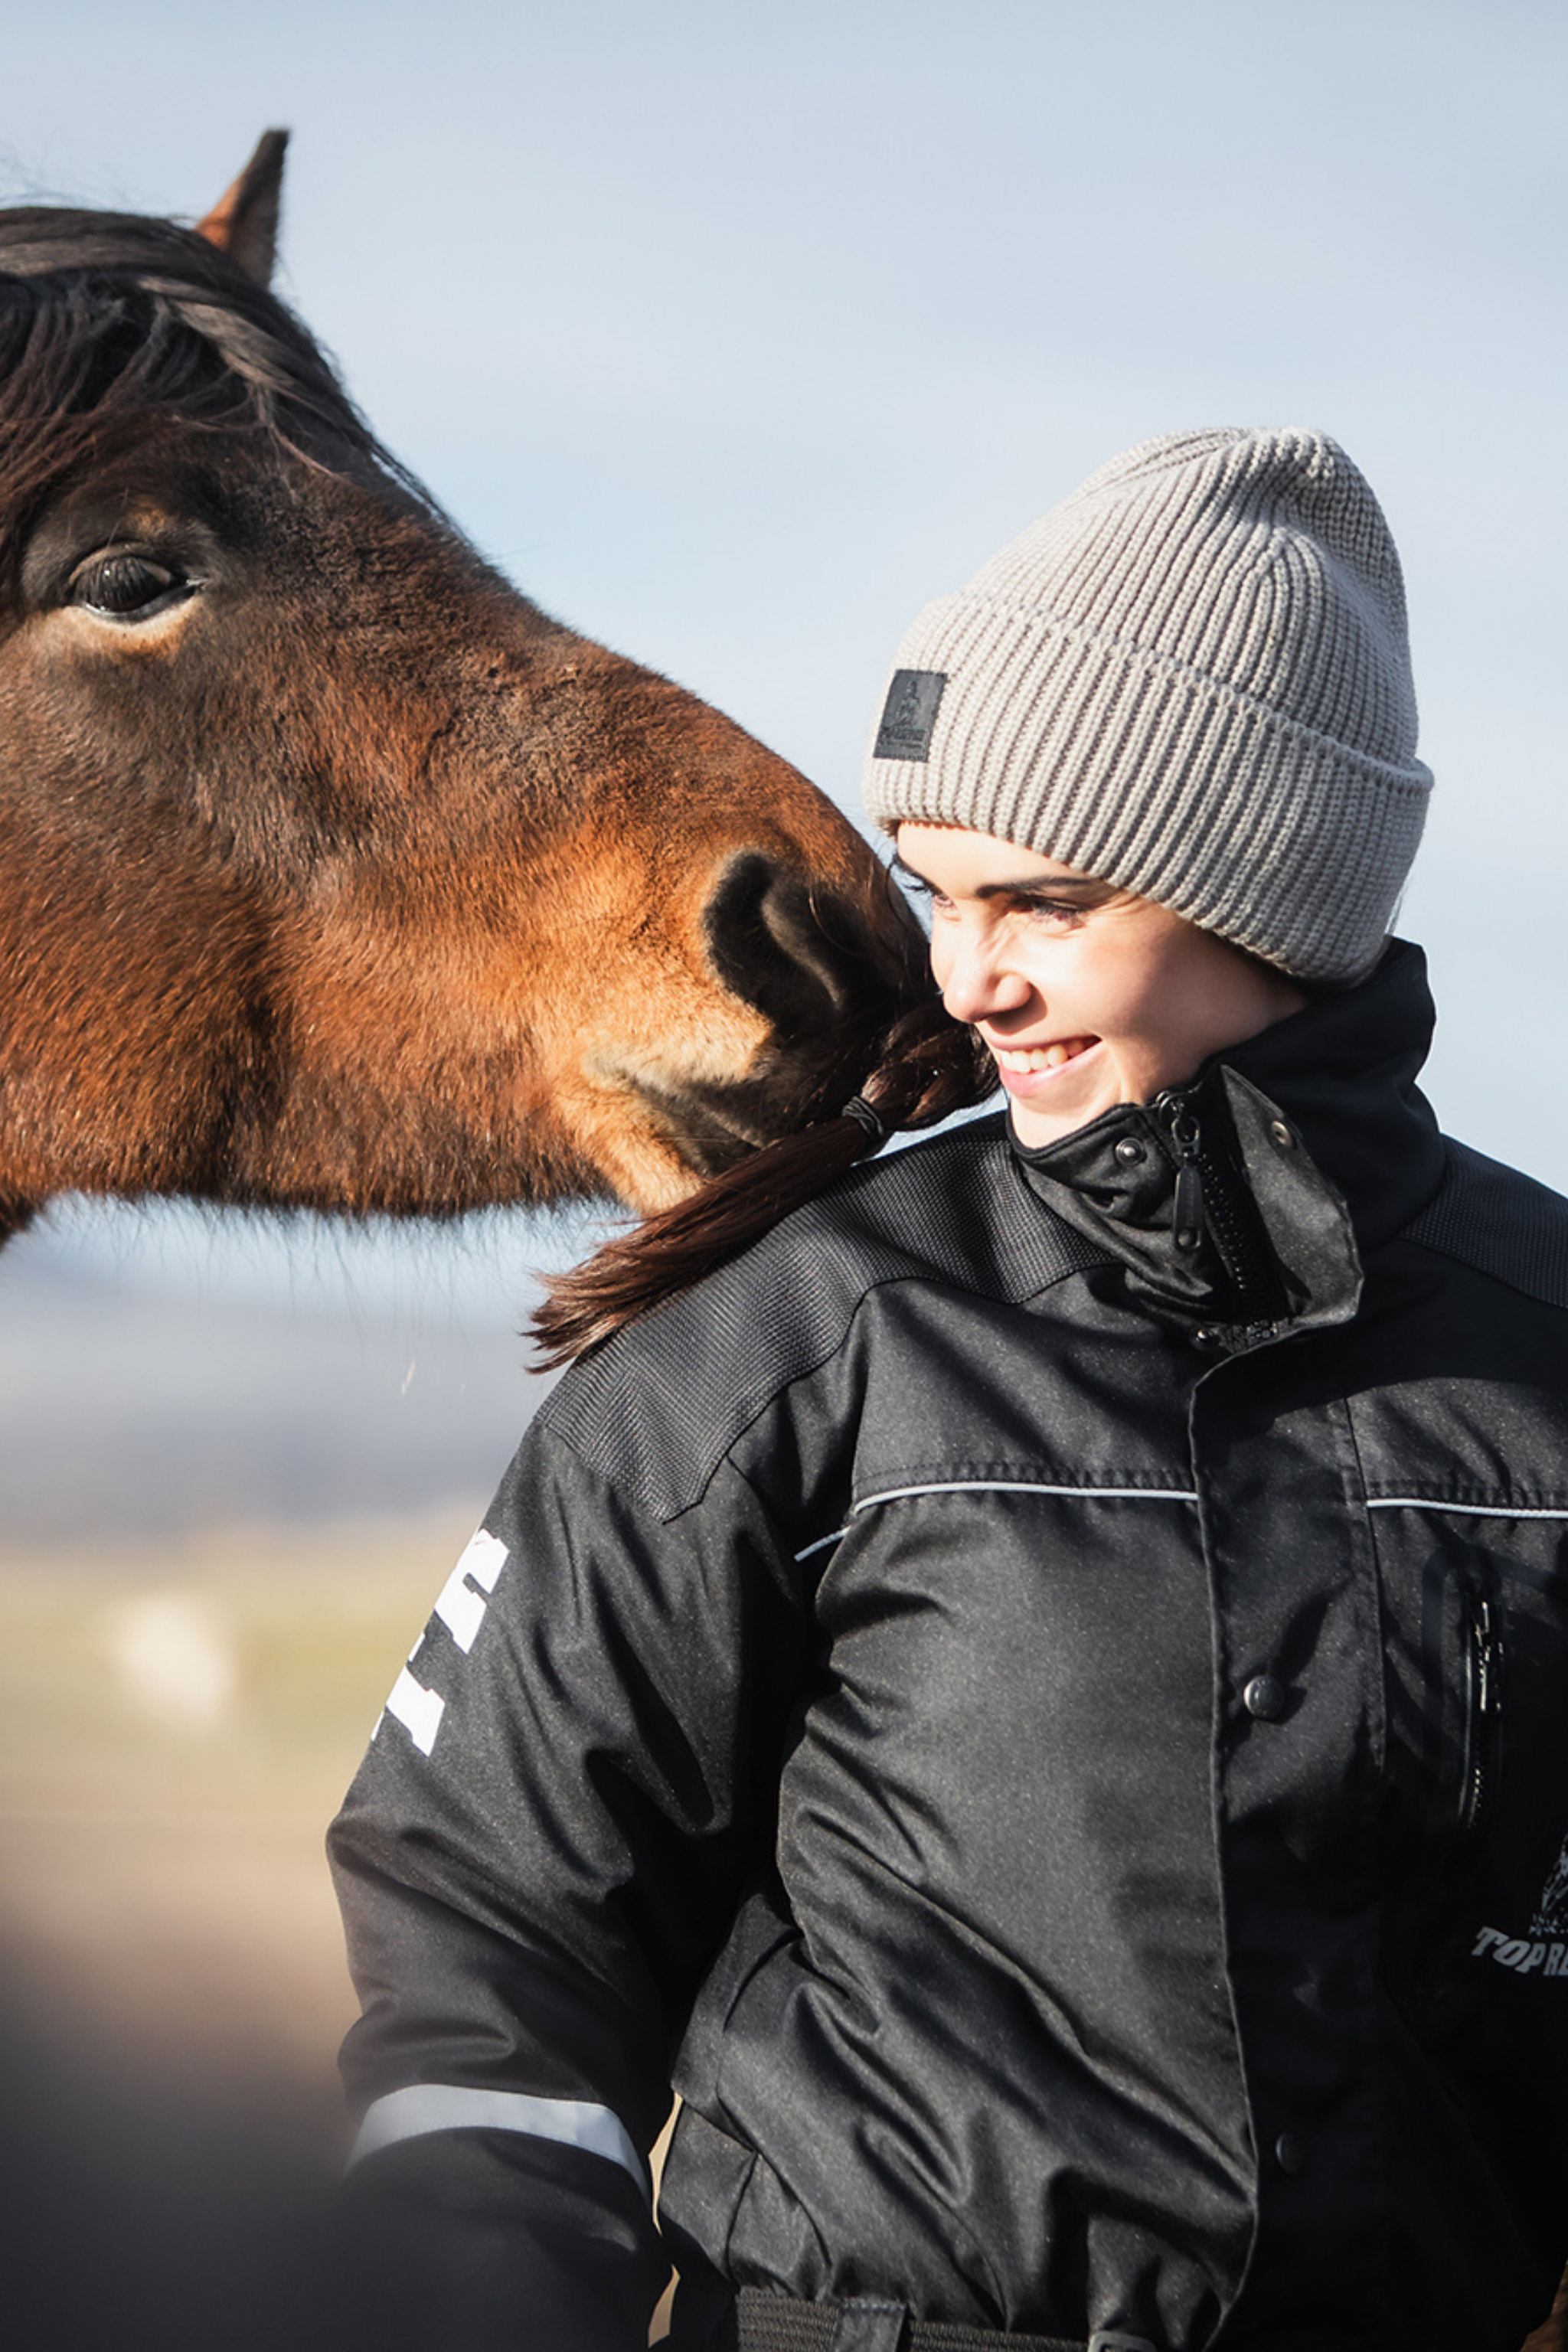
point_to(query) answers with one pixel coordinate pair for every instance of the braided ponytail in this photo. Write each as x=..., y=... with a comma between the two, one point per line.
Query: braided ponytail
x=930, y=1066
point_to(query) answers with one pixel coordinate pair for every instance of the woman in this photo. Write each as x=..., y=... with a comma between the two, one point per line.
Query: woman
x=1037, y=1694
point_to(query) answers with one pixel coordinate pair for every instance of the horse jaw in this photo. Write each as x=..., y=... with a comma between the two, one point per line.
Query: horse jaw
x=778, y=984
x=244, y=221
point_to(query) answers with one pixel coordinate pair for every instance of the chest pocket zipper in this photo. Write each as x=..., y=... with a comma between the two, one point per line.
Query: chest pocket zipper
x=1482, y=1682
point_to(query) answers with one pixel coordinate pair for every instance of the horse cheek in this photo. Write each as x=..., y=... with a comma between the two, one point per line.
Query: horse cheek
x=140, y=991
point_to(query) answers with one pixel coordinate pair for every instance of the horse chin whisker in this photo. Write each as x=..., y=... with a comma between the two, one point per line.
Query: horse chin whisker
x=700, y=1125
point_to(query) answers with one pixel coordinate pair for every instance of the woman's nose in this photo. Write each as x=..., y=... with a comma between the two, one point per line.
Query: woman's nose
x=975, y=986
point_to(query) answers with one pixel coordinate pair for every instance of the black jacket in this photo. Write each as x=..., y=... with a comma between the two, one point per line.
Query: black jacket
x=1056, y=1741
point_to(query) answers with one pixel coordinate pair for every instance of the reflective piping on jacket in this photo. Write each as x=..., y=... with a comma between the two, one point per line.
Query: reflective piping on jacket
x=1004, y=1487
x=423, y=2107
x=1463, y=1510
x=1028, y=1487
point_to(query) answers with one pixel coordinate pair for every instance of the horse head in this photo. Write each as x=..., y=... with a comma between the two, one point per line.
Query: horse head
x=334, y=873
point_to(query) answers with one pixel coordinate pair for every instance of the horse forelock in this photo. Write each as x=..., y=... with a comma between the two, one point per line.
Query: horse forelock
x=108, y=318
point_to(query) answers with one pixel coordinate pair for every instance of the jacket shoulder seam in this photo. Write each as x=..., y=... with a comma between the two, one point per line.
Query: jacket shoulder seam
x=693, y=1499
x=702, y=1371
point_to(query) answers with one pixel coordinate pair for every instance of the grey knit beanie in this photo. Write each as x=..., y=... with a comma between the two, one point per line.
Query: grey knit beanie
x=1192, y=679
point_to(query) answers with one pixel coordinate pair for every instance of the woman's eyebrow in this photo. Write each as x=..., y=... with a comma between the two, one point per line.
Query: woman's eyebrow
x=1040, y=886
x=1029, y=886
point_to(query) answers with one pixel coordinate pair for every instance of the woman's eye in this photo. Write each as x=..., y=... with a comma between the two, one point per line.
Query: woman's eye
x=127, y=587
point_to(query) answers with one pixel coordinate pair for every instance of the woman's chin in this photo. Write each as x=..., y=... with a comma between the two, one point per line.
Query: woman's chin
x=1047, y=1104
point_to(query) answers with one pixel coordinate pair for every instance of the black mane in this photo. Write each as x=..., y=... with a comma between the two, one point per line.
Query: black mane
x=108, y=317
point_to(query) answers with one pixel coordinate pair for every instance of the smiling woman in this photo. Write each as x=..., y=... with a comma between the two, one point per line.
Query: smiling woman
x=1037, y=1695
x=1084, y=995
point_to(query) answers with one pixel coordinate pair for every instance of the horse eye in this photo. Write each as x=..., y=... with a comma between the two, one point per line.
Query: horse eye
x=126, y=587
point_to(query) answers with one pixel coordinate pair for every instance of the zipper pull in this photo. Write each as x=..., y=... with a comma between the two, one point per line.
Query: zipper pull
x=1188, y=1214
x=1483, y=1703
x=1484, y=1634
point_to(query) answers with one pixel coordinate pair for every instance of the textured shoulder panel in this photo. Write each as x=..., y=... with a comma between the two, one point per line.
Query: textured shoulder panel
x=659, y=1407
x=1499, y=1222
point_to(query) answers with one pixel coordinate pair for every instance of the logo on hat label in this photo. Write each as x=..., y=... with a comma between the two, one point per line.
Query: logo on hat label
x=910, y=715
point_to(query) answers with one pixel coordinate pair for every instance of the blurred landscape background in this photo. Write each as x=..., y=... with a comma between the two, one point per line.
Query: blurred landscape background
x=225, y=1508
x=732, y=334
x=234, y=1466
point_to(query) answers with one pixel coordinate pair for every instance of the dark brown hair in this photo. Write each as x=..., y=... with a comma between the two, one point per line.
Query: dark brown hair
x=930, y=1066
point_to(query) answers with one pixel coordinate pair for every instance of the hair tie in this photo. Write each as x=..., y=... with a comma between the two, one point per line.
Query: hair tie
x=874, y=1126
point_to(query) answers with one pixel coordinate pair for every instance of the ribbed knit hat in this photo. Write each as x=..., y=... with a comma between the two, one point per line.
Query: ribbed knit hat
x=1192, y=679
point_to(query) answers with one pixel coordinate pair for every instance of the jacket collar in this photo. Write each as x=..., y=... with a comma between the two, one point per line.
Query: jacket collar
x=1315, y=1146
x=1343, y=1071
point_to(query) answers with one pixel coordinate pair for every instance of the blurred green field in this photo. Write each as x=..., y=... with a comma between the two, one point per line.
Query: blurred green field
x=178, y=1722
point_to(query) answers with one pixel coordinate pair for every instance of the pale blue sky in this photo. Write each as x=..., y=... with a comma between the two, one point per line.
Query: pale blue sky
x=733, y=333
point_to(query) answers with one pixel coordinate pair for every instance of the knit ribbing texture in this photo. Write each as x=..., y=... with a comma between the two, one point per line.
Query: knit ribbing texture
x=1192, y=679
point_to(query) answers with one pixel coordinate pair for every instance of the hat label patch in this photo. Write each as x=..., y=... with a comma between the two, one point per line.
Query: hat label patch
x=909, y=715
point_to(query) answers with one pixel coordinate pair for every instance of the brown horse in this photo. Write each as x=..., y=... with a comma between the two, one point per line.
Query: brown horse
x=333, y=873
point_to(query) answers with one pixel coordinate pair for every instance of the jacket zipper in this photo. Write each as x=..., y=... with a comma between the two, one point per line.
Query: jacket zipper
x=1482, y=1672
x=1201, y=1208
x=1187, y=1142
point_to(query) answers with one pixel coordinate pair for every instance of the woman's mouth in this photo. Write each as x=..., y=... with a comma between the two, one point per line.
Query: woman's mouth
x=1023, y=1069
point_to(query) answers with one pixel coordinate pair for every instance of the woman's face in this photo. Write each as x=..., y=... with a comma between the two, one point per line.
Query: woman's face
x=1086, y=995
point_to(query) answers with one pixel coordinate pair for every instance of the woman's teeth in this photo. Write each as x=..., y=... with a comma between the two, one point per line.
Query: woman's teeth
x=1040, y=1057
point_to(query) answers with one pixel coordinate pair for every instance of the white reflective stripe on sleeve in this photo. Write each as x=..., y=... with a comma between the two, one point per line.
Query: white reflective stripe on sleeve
x=419, y=1710
x=424, y=2107
x=822, y=1543
x=1463, y=1510
x=1028, y=1487
x=1004, y=1487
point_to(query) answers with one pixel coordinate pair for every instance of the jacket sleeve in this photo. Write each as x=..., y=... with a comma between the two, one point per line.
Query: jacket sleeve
x=541, y=1853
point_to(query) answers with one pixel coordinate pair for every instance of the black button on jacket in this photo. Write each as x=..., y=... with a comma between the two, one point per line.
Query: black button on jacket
x=1082, y=1817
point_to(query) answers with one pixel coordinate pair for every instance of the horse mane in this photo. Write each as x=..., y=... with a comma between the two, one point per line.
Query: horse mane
x=106, y=316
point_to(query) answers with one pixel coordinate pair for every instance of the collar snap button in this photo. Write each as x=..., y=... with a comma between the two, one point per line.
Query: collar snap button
x=1289, y=2155
x=1265, y=1697
x=1131, y=1153
x=1283, y=1136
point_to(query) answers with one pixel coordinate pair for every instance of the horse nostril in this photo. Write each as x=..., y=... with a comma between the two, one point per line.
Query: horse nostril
x=771, y=944
x=829, y=969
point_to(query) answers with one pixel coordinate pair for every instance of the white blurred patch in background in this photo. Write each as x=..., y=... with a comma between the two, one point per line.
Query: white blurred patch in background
x=174, y=1659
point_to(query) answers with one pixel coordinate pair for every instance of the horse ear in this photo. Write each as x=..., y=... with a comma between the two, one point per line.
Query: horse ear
x=244, y=221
